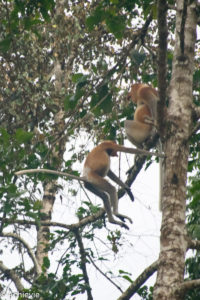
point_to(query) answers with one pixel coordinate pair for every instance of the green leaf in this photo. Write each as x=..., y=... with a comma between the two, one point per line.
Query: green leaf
x=4, y=136
x=196, y=76
x=82, y=81
x=5, y=44
x=97, y=17
x=116, y=25
x=114, y=1
x=102, y=101
x=91, y=22
x=26, y=204
x=126, y=275
x=77, y=77
x=46, y=262
x=128, y=278
x=137, y=57
x=94, y=69
x=37, y=205
x=69, y=102
x=11, y=188
x=22, y=136
x=8, y=207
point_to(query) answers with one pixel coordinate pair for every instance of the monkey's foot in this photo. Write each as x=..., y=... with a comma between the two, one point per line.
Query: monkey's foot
x=123, y=218
x=122, y=224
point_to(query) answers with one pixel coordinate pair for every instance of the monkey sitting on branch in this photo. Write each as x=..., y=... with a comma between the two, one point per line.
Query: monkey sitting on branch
x=96, y=167
x=145, y=116
x=145, y=120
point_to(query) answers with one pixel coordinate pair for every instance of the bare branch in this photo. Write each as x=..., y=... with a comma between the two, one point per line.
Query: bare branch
x=81, y=223
x=138, y=164
x=103, y=274
x=139, y=160
x=186, y=286
x=30, y=252
x=83, y=263
x=138, y=151
x=10, y=273
x=139, y=281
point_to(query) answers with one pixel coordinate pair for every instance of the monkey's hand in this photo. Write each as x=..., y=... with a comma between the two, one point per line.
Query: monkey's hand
x=128, y=190
x=150, y=121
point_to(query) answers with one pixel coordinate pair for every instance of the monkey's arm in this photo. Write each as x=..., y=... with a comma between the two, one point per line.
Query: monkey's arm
x=149, y=120
x=116, y=179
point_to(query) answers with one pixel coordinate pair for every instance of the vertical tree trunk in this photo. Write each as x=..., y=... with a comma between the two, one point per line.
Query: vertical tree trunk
x=50, y=189
x=179, y=120
x=44, y=231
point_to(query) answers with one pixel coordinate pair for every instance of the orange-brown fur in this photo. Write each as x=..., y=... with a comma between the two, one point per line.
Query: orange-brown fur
x=143, y=92
x=98, y=160
x=97, y=166
x=142, y=113
x=145, y=117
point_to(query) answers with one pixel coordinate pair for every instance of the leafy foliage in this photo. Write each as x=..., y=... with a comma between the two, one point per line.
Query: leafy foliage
x=116, y=15
x=24, y=15
x=146, y=293
x=192, y=273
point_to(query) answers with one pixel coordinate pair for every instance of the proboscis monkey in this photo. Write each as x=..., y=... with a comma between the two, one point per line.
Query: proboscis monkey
x=145, y=116
x=96, y=167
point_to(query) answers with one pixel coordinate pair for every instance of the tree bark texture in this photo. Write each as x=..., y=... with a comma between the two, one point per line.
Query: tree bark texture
x=50, y=189
x=176, y=146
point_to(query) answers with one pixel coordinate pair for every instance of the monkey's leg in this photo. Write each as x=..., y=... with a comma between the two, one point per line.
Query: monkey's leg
x=114, y=202
x=137, y=132
x=106, y=202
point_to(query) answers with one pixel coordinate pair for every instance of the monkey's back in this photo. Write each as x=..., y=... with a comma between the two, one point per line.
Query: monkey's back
x=98, y=161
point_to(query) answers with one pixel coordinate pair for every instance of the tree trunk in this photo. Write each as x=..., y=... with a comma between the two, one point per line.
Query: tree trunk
x=50, y=189
x=176, y=145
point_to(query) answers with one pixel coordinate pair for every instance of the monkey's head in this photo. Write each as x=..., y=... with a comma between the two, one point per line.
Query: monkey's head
x=110, y=147
x=133, y=93
x=113, y=153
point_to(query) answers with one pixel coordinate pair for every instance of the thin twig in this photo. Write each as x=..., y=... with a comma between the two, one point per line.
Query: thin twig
x=83, y=263
x=103, y=274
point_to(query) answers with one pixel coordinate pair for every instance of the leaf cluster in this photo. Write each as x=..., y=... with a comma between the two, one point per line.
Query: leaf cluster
x=23, y=15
